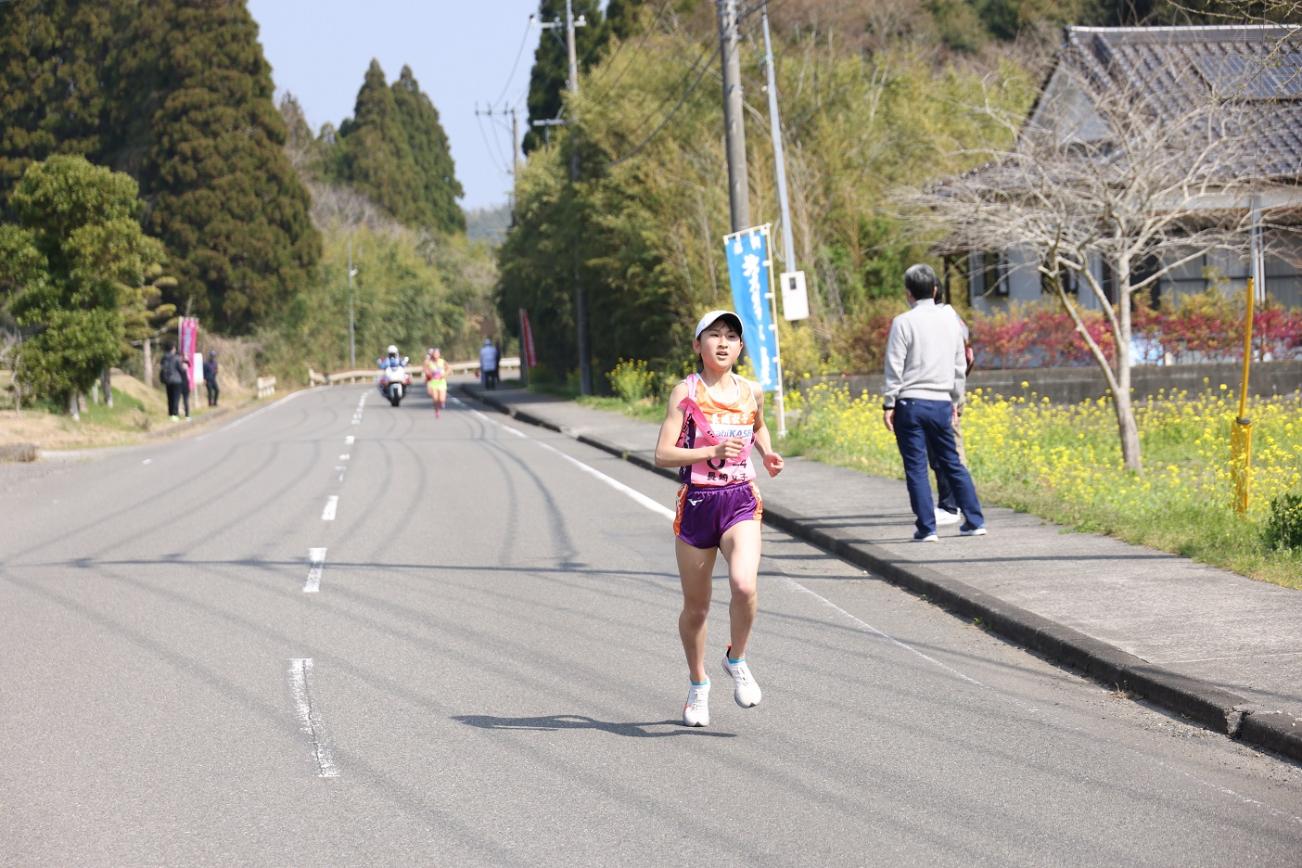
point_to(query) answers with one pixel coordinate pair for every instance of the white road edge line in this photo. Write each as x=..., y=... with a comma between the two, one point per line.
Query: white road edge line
x=240, y=421
x=300, y=669
x=639, y=497
x=657, y=508
x=332, y=504
x=864, y=625
x=315, y=566
x=665, y=512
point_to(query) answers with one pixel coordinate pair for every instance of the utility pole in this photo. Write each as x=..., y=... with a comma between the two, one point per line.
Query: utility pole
x=352, y=342
x=779, y=159
x=738, y=191
x=580, y=294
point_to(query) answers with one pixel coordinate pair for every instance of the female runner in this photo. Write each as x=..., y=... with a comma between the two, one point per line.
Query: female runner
x=436, y=380
x=713, y=421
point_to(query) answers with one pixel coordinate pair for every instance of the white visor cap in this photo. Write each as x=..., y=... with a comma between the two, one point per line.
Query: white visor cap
x=714, y=316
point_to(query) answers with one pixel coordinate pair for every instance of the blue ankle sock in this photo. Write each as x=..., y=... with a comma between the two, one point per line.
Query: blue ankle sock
x=733, y=661
x=699, y=683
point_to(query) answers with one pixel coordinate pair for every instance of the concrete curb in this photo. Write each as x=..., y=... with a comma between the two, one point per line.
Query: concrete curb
x=1204, y=703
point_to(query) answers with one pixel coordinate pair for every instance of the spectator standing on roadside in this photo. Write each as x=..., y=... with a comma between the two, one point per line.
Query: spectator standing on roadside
x=488, y=364
x=172, y=374
x=926, y=376
x=210, y=378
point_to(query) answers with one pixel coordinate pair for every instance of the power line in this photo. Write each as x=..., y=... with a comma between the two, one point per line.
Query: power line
x=519, y=52
x=637, y=128
x=496, y=146
x=664, y=121
x=608, y=87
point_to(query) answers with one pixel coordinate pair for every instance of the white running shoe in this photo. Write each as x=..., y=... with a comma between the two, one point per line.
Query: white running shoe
x=745, y=691
x=696, y=711
x=944, y=518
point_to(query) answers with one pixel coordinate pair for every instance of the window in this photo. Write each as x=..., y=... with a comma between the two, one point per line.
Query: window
x=989, y=274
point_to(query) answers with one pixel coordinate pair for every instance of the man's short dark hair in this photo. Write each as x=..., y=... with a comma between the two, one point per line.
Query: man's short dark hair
x=167, y=346
x=920, y=280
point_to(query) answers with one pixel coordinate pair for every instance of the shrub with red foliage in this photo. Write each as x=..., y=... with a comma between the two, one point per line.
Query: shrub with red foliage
x=1202, y=328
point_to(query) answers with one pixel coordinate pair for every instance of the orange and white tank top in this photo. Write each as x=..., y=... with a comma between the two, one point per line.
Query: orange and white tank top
x=708, y=421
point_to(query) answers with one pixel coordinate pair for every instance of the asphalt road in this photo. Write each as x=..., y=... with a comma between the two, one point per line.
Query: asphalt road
x=335, y=632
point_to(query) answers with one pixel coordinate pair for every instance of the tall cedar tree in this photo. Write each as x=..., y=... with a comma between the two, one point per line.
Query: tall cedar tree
x=225, y=199
x=622, y=17
x=436, y=190
x=51, y=101
x=374, y=154
x=551, y=64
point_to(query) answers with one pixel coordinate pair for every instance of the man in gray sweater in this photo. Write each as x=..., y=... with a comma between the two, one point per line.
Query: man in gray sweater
x=926, y=373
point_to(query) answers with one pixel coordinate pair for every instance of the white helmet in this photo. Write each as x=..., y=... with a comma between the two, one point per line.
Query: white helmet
x=393, y=351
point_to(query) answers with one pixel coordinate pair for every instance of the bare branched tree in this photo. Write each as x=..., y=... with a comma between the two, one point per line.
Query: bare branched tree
x=1118, y=178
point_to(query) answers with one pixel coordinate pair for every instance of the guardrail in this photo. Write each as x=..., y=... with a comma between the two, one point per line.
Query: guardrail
x=368, y=375
x=266, y=387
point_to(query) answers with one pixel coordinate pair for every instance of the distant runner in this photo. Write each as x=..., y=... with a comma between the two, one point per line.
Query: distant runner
x=713, y=420
x=436, y=380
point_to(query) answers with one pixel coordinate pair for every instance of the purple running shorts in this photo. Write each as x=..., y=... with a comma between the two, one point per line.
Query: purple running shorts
x=704, y=513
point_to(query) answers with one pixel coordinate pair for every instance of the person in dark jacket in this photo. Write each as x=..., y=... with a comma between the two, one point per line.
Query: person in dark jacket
x=210, y=378
x=172, y=374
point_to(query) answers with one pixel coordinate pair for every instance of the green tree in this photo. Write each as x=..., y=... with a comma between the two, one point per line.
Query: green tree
x=374, y=155
x=622, y=17
x=551, y=65
x=224, y=197
x=72, y=262
x=436, y=189
x=51, y=99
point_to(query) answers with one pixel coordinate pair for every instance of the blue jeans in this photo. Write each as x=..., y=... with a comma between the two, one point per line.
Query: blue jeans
x=924, y=428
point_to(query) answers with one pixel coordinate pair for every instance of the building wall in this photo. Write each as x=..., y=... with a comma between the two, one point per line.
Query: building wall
x=1015, y=279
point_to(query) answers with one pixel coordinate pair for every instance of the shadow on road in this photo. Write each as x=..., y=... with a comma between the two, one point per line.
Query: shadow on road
x=553, y=722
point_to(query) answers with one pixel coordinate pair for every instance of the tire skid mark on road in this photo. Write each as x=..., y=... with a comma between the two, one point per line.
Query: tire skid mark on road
x=1246, y=800
x=566, y=552
x=637, y=496
x=413, y=802
x=510, y=527
x=309, y=717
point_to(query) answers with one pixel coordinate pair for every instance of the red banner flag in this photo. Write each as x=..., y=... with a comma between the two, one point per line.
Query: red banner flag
x=526, y=340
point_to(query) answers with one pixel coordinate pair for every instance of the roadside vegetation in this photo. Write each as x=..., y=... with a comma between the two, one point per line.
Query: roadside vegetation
x=1063, y=463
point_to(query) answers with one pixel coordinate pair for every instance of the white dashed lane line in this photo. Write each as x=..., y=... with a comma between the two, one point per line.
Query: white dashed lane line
x=315, y=566
x=332, y=505
x=309, y=717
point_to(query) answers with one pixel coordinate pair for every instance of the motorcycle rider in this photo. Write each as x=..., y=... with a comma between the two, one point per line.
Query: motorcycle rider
x=392, y=362
x=391, y=359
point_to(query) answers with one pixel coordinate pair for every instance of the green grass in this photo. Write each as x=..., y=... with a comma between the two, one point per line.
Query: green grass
x=1063, y=464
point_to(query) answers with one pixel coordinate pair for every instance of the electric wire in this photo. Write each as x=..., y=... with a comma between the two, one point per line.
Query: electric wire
x=515, y=65
x=682, y=100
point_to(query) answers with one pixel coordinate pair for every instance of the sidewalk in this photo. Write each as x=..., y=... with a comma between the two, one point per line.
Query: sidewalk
x=1218, y=648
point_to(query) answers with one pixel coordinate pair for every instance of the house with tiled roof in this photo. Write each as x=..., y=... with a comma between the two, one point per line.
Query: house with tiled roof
x=1256, y=71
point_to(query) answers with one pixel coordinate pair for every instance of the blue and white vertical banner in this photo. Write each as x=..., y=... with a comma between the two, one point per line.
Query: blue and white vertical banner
x=749, y=272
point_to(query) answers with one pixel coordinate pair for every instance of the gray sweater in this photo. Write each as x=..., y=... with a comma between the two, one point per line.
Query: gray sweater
x=924, y=355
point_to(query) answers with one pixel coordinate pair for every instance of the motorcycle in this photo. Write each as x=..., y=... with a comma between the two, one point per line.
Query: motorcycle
x=394, y=382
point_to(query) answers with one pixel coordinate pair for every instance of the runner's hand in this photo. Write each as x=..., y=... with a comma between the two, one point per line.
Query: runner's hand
x=773, y=463
x=728, y=449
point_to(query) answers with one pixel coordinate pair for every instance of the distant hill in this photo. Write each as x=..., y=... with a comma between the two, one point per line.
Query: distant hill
x=488, y=224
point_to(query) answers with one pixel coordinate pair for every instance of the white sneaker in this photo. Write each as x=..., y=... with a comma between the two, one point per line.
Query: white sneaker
x=746, y=692
x=943, y=517
x=696, y=711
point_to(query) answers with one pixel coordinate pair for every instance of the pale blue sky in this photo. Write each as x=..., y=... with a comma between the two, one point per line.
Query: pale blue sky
x=460, y=50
